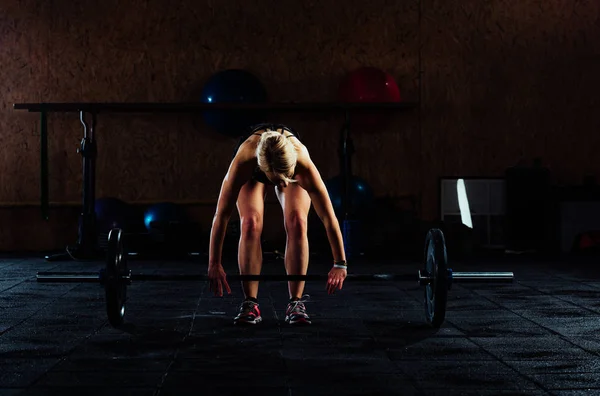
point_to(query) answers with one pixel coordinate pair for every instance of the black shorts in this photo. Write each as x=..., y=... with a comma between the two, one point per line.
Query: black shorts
x=259, y=175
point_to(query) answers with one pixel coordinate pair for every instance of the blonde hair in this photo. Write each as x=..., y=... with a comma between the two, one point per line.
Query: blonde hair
x=277, y=154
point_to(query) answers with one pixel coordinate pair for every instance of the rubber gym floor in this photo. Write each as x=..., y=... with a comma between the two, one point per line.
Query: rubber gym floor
x=536, y=336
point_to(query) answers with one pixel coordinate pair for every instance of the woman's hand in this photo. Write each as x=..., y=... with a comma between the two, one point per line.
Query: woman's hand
x=218, y=280
x=336, y=279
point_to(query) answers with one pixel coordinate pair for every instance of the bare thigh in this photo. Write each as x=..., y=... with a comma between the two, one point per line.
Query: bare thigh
x=251, y=208
x=295, y=203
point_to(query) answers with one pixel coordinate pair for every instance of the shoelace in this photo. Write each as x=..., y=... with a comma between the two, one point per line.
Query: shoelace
x=298, y=305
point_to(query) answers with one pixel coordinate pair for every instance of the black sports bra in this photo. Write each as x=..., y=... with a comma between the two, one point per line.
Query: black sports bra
x=272, y=127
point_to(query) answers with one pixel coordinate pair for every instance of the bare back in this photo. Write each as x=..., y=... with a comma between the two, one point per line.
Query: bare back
x=247, y=153
x=248, y=147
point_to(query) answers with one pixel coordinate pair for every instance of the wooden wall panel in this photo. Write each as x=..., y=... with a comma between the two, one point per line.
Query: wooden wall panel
x=503, y=81
x=508, y=81
x=129, y=51
x=24, y=68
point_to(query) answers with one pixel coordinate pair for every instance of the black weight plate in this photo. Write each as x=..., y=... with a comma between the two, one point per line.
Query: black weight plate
x=436, y=266
x=115, y=286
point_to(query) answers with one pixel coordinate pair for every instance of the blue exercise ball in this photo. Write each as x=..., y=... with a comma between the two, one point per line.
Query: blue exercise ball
x=233, y=86
x=111, y=213
x=159, y=215
x=361, y=195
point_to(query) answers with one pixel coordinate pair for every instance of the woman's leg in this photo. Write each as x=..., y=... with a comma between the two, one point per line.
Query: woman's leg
x=295, y=203
x=250, y=206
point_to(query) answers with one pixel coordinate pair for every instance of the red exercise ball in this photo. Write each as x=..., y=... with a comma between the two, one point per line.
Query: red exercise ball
x=368, y=85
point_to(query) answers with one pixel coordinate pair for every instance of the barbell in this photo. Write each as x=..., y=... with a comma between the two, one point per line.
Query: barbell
x=435, y=276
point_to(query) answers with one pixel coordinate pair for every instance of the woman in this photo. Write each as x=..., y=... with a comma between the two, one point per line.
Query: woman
x=272, y=155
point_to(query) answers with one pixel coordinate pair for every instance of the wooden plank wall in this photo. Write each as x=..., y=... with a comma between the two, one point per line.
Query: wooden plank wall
x=503, y=81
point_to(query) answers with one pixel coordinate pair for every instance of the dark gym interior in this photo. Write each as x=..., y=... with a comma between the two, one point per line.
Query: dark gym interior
x=476, y=118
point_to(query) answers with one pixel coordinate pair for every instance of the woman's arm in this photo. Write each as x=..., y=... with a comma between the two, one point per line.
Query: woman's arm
x=309, y=178
x=239, y=172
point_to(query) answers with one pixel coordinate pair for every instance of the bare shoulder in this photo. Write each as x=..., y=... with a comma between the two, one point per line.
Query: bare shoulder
x=244, y=162
x=307, y=174
x=304, y=161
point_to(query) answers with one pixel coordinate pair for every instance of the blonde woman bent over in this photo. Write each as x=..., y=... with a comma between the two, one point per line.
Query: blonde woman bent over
x=272, y=155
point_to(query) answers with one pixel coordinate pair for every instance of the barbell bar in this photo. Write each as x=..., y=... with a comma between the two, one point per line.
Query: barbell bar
x=461, y=277
x=435, y=276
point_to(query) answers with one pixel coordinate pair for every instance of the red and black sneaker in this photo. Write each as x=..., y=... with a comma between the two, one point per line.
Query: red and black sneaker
x=296, y=312
x=249, y=313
